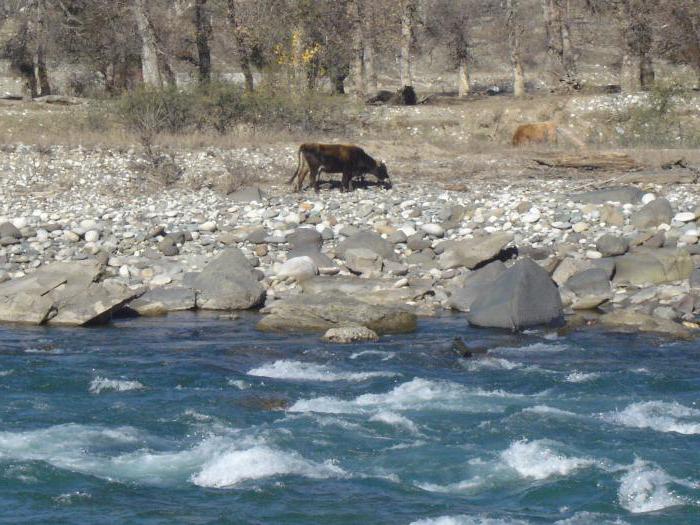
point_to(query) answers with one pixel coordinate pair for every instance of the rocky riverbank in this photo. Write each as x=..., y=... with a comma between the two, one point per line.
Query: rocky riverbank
x=508, y=255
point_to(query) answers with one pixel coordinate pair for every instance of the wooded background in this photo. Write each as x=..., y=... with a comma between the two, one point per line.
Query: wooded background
x=108, y=47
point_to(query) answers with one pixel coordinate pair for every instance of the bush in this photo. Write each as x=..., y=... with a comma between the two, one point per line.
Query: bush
x=657, y=122
x=220, y=107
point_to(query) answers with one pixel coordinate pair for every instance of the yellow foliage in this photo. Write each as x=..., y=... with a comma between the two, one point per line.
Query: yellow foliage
x=297, y=54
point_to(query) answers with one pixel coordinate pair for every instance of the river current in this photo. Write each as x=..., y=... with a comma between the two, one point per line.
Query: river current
x=194, y=419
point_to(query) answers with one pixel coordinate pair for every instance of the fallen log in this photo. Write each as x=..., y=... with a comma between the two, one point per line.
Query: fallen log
x=589, y=161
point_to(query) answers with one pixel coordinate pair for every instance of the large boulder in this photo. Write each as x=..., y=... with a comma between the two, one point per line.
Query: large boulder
x=469, y=253
x=160, y=301
x=611, y=245
x=66, y=275
x=522, y=296
x=305, y=238
x=25, y=308
x=319, y=313
x=369, y=241
x=653, y=266
x=621, y=194
x=473, y=285
x=362, y=260
x=298, y=269
x=658, y=211
x=93, y=304
x=228, y=283
x=591, y=288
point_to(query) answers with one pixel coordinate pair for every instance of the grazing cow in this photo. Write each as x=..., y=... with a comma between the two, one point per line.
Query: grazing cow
x=349, y=160
x=536, y=133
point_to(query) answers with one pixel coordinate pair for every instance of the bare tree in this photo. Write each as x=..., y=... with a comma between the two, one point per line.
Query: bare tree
x=408, y=10
x=203, y=30
x=242, y=37
x=358, y=49
x=515, y=30
x=448, y=24
x=149, y=48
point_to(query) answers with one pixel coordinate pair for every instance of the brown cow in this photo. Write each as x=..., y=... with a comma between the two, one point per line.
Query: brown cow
x=536, y=133
x=351, y=161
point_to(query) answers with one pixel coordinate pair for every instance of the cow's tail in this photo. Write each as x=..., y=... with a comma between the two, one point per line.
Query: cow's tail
x=296, y=173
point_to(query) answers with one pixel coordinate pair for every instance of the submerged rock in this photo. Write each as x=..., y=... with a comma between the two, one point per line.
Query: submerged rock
x=160, y=301
x=350, y=334
x=633, y=320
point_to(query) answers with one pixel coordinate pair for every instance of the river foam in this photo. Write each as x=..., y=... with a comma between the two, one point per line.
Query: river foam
x=301, y=371
x=468, y=520
x=647, y=488
x=540, y=460
x=658, y=415
x=216, y=461
x=417, y=394
x=101, y=384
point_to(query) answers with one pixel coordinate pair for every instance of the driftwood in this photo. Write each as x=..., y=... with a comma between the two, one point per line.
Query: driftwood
x=60, y=100
x=589, y=161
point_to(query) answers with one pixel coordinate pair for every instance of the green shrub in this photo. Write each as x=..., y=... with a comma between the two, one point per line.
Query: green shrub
x=220, y=105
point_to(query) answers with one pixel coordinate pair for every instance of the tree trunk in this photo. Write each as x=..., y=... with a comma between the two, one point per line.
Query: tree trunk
x=357, y=63
x=514, y=31
x=646, y=72
x=149, y=50
x=408, y=9
x=370, y=65
x=41, y=71
x=463, y=78
x=202, y=33
x=552, y=54
x=630, y=74
x=568, y=56
x=242, y=47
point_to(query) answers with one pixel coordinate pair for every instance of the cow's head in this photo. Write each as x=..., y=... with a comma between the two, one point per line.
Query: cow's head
x=383, y=175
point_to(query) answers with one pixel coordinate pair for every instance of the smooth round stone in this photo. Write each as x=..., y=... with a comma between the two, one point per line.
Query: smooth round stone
x=209, y=226
x=561, y=225
x=292, y=218
x=161, y=280
x=71, y=236
x=92, y=236
x=88, y=224
x=531, y=216
x=648, y=197
x=593, y=254
x=433, y=229
x=580, y=227
x=124, y=271
x=19, y=222
x=684, y=216
x=689, y=239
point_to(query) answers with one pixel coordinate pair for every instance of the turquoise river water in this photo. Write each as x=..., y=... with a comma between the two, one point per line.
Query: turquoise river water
x=192, y=419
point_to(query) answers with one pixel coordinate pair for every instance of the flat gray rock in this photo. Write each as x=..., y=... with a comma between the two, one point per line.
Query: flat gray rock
x=621, y=194
x=319, y=313
x=93, y=304
x=369, y=241
x=653, y=266
x=591, y=288
x=658, y=211
x=469, y=253
x=249, y=194
x=25, y=308
x=522, y=296
x=371, y=291
x=160, y=301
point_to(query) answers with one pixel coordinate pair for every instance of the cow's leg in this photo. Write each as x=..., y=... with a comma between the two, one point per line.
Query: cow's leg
x=316, y=178
x=345, y=182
